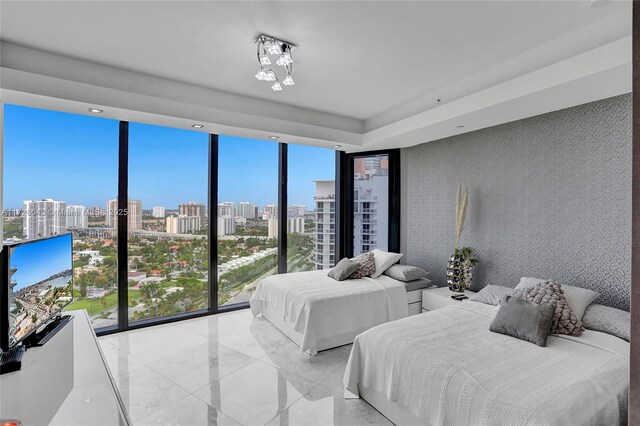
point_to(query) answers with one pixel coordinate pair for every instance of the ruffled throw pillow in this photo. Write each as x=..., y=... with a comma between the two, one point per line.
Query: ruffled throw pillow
x=366, y=266
x=564, y=319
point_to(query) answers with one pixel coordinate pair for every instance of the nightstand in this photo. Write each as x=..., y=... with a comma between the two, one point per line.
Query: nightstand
x=439, y=297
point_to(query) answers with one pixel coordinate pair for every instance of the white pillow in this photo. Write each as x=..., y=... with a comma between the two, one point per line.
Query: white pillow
x=383, y=260
x=578, y=298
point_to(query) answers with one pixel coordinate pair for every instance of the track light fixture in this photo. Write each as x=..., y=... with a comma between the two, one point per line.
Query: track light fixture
x=268, y=45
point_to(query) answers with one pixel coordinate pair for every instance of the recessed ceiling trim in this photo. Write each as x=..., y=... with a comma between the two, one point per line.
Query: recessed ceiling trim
x=598, y=73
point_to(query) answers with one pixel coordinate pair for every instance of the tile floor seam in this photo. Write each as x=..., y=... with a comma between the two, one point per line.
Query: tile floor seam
x=160, y=409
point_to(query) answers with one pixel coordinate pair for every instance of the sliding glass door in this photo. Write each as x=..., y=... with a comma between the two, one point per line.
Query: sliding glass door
x=247, y=216
x=167, y=221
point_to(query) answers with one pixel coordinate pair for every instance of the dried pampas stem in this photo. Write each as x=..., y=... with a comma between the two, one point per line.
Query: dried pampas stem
x=461, y=212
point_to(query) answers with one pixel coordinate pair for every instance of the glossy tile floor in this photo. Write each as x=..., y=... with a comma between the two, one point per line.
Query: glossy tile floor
x=230, y=369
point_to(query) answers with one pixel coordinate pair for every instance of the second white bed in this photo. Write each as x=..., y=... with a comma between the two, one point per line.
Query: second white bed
x=318, y=312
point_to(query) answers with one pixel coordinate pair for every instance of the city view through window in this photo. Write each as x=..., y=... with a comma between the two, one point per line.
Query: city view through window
x=371, y=203
x=68, y=183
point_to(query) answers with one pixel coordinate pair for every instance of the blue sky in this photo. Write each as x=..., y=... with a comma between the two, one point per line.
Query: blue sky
x=38, y=261
x=74, y=158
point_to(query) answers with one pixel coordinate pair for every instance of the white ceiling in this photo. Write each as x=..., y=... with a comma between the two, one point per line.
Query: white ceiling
x=360, y=66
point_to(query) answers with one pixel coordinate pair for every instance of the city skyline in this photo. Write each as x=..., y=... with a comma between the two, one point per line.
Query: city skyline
x=167, y=165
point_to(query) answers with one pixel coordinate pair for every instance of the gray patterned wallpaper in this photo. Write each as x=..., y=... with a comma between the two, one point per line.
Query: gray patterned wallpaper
x=549, y=197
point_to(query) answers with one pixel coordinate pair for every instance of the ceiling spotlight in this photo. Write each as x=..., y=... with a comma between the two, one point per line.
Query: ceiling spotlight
x=288, y=81
x=96, y=110
x=274, y=137
x=337, y=146
x=460, y=127
x=197, y=126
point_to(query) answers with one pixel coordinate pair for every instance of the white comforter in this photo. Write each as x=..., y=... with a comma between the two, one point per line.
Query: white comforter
x=447, y=368
x=321, y=307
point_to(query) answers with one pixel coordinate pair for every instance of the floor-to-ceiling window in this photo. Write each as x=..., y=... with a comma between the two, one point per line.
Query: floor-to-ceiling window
x=89, y=169
x=167, y=221
x=247, y=216
x=59, y=171
x=311, y=212
x=370, y=203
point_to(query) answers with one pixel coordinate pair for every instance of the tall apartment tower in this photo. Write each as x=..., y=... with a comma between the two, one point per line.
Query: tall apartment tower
x=272, y=228
x=192, y=209
x=226, y=225
x=77, y=216
x=44, y=218
x=134, y=212
x=226, y=208
x=246, y=210
x=325, y=222
x=159, y=212
x=371, y=204
x=296, y=210
x=270, y=212
x=183, y=224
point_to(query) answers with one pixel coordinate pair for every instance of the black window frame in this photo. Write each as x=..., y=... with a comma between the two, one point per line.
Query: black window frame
x=124, y=323
x=346, y=208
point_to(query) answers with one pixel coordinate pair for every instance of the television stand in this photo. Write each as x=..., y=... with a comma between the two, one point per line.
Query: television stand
x=50, y=330
x=11, y=360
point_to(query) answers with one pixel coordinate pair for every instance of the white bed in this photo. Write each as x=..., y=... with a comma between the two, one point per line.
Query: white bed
x=445, y=367
x=318, y=312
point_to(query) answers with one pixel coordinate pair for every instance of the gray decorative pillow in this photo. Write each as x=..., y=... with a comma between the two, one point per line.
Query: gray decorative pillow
x=564, y=319
x=366, y=266
x=343, y=269
x=491, y=295
x=405, y=273
x=579, y=298
x=608, y=320
x=523, y=320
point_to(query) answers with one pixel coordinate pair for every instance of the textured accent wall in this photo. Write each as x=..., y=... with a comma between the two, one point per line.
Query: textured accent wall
x=550, y=197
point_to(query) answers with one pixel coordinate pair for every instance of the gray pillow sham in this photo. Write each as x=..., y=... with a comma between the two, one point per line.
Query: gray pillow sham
x=608, y=320
x=405, y=273
x=343, y=269
x=523, y=320
x=491, y=295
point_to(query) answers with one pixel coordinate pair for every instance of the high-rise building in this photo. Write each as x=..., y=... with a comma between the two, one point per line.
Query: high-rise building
x=226, y=225
x=77, y=216
x=272, y=228
x=226, y=208
x=371, y=205
x=183, y=224
x=325, y=221
x=159, y=212
x=270, y=212
x=44, y=218
x=111, y=215
x=192, y=209
x=295, y=225
x=134, y=213
x=297, y=210
x=246, y=210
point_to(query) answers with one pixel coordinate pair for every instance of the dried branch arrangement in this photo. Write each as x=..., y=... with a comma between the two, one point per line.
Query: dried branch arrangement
x=461, y=212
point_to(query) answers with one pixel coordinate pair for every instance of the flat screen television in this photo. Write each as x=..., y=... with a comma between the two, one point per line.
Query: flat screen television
x=37, y=283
